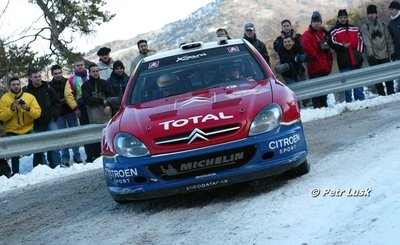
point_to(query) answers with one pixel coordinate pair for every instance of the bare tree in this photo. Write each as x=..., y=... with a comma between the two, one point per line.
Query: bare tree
x=64, y=19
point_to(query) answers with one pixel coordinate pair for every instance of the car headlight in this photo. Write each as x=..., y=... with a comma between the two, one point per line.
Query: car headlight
x=127, y=145
x=267, y=119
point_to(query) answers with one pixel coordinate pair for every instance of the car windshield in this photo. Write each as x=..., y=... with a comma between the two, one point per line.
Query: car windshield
x=185, y=73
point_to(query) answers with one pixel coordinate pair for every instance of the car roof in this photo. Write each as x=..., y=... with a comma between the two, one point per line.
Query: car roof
x=192, y=47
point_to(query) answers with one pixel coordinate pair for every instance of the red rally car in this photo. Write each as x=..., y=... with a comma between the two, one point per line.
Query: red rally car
x=202, y=116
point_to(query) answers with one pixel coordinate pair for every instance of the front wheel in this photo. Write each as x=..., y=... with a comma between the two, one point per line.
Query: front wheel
x=302, y=169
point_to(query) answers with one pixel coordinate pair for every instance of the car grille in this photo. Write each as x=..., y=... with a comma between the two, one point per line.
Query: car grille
x=204, y=164
x=198, y=134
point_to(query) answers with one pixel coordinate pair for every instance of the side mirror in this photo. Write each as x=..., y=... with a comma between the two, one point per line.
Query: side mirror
x=282, y=68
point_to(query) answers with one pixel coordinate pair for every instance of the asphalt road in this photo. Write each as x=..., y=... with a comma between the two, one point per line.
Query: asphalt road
x=79, y=210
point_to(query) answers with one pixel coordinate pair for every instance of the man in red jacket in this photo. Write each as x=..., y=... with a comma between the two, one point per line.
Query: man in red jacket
x=315, y=45
x=347, y=41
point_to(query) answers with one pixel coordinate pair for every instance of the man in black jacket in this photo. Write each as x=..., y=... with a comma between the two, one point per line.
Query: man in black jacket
x=250, y=36
x=50, y=104
x=95, y=92
x=394, y=27
x=67, y=116
x=287, y=30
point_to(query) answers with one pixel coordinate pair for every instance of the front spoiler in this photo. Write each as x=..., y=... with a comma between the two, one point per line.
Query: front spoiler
x=214, y=182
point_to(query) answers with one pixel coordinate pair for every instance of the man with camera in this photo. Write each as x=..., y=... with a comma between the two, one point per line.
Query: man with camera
x=319, y=64
x=378, y=44
x=18, y=110
x=347, y=41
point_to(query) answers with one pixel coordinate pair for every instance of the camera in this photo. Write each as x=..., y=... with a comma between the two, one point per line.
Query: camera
x=282, y=68
x=21, y=102
x=323, y=45
x=376, y=33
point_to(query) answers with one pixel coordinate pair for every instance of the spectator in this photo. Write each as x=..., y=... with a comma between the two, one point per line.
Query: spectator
x=394, y=27
x=315, y=45
x=294, y=56
x=67, y=116
x=95, y=93
x=18, y=110
x=347, y=41
x=251, y=37
x=378, y=44
x=105, y=62
x=118, y=80
x=50, y=104
x=73, y=94
x=144, y=51
x=287, y=30
x=221, y=32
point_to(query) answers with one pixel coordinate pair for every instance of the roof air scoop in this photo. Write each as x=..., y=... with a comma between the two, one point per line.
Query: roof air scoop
x=222, y=40
x=186, y=46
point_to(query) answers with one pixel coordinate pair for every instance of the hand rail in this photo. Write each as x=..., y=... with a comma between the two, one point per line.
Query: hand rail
x=346, y=80
x=51, y=140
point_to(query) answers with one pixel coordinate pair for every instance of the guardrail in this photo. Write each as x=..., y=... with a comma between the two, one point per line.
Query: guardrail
x=51, y=140
x=346, y=80
x=65, y=138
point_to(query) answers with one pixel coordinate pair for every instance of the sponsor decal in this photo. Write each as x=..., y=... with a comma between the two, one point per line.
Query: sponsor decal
x=120, y=176
x=234, y=49
x=194, y=120
x=190, y=57
x=286, y=144
x=246, y=92
x=154, y=64
x=185, y=167
x=207, y=185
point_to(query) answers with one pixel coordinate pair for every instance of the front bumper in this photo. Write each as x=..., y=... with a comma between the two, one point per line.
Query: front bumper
x=255, y=157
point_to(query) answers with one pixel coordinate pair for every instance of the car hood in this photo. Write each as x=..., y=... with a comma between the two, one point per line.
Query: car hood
x=198, y=119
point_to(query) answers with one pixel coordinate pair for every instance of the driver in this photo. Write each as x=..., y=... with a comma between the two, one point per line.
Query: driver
x=233, y=73
x=168, y=84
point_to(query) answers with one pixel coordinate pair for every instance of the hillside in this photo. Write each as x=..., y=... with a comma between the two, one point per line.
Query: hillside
x=232, y=15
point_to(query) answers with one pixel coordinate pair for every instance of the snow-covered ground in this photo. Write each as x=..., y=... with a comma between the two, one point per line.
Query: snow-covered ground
x=41, y=173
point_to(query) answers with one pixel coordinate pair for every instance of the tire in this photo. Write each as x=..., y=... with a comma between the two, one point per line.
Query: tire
x=300, y=170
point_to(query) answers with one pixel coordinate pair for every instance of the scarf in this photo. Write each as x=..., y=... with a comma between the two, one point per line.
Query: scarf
x=76, y=83
x=395, y=17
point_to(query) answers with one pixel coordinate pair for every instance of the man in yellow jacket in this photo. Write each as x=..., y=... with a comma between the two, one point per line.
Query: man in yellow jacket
x=18, y=110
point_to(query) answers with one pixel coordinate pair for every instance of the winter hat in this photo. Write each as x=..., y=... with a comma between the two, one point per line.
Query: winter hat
x=342, y=12
x=249, y=26
x=103, y=51
x=394, y=5
x=372, y=9
x=316, y=16
x=117, y=64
